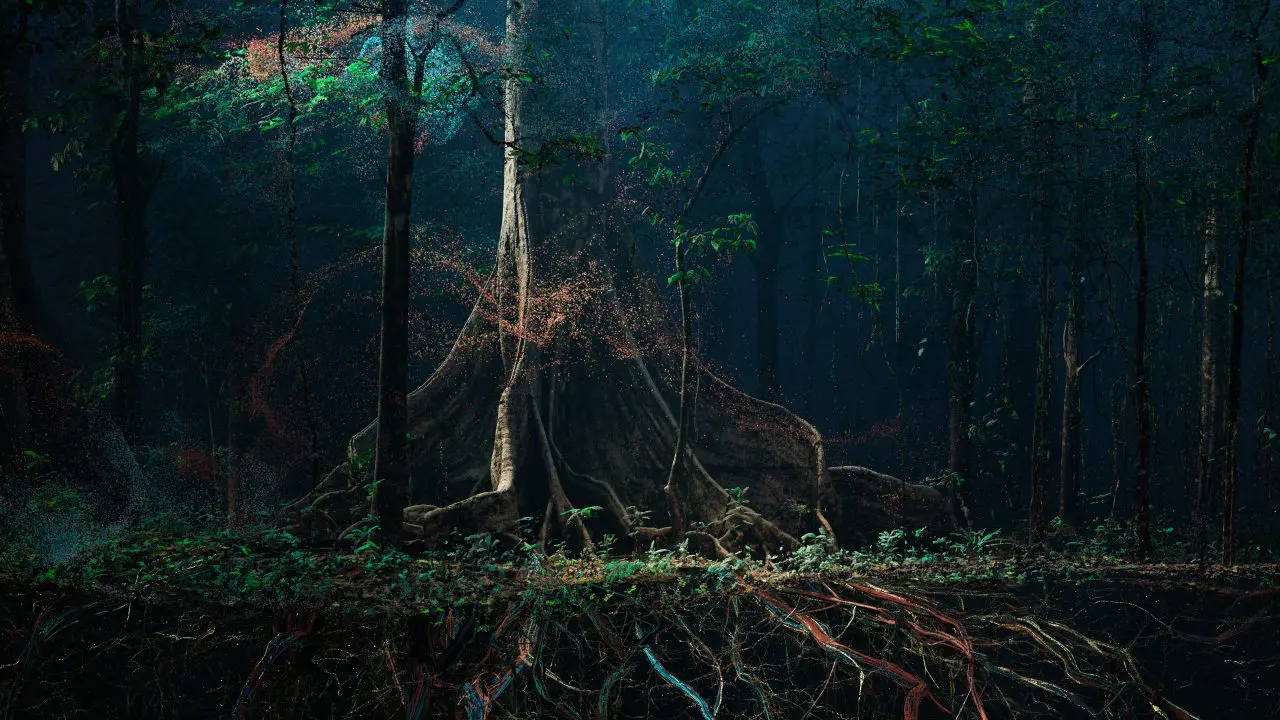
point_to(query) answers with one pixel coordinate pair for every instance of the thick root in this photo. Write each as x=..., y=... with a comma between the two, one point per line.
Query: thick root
x=492, y=512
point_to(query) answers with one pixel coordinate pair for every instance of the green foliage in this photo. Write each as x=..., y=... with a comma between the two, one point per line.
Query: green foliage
x=973, y=543
x=97, y=293
x=730, y=50
x=736, y=235
x=815, y=554
x=868, y=293
x=582, y=513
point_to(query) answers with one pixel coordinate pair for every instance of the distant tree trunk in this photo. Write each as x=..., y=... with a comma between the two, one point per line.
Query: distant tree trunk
x=131, y=208
x=1210, y=377
x=1142, y=382
x=1040, y=432
x=1038, y=145
x=1119, y=453
x=391, y=463
x=16, y=285
x=1142, y=378
x=1268, y=465
x=962, y=368
x=772, y=236
x=1072, y=368
x=1232, y=426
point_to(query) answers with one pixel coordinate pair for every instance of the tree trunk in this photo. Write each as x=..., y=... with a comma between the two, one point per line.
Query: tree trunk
x=1142, y=380
x=1210, y=378
x=17, y=304
x=678, y=487
x=391, y=463
x=1069, y=480
x=1269, y=463
x=1072, y=366
x=1141, y=369
x=1040, y=432
x=962, y=368
x=1253, y=121
x=131, y=207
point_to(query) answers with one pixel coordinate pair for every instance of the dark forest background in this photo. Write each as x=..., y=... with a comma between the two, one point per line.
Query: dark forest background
x=1024, y=251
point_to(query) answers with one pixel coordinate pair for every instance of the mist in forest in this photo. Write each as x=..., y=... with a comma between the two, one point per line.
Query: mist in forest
x=841, y=284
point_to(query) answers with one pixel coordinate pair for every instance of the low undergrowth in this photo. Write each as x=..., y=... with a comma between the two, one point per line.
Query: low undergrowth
x=175, y=622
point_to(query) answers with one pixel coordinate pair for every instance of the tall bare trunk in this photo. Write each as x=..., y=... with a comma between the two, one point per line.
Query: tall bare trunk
x=1040, y=432
x=1072, y=366
x=1231, y=429
x=1210, y=377
x=1141, y=369
x=1142, y=382
x=16, y=285
x=962, y=367
x=1268, y=465
x=391, y=463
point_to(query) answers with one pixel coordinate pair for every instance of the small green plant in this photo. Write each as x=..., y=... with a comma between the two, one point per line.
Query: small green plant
x=891, y=541
x=36, y=465
x=814, y=554
x=97, y=293
x=581, y=514
x=974, y=543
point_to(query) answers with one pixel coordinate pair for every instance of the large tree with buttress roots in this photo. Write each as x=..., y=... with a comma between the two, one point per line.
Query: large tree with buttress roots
x=563, y=391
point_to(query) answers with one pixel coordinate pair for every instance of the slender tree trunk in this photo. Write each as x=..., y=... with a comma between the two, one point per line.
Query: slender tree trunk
x=962, y=367
x=1069, y=480
x=1231, y=428
x=391, y=463
x=1142, y=381
x=1118, y=451
x=1038, y=147
x=1210, y=377
x=1040, y=432
x=1268, y=465
x=1141, y=369
x=1072, y=366
x=131, y=203
x=772, y=236
x=17, y=304
x=678, y=486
